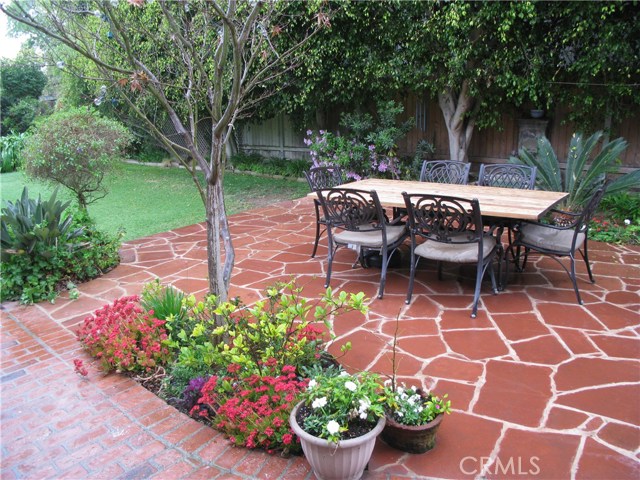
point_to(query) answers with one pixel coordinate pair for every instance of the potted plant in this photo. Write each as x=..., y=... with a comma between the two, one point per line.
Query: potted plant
x=413, y=417
x=338, y=421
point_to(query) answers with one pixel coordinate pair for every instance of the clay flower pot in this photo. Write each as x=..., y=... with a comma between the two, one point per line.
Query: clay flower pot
x=411, y=438
x=343, y=461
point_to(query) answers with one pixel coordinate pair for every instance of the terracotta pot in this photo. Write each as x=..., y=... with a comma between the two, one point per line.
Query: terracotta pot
x=344, y=461
x=411, y=438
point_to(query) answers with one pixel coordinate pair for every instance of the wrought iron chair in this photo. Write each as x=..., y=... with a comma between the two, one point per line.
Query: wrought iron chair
x=507, y=175
x=445, y=171
x=452, y=231
x=561, y=240
x=321, y=178
x=355, y=218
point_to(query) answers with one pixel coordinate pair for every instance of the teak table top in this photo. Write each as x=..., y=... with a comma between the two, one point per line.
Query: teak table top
x=494, y=201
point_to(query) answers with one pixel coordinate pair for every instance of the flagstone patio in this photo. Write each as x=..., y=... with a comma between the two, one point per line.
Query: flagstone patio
x=540, y=386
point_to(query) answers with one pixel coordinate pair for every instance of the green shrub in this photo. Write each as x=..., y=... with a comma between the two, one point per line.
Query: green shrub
x=253, y=162
x=75, y=148
x=284, y=329
x=40, y=260
x=622, y=206
x=10, y=152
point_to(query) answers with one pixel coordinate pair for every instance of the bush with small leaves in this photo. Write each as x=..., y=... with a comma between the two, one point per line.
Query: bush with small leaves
x=75, y=148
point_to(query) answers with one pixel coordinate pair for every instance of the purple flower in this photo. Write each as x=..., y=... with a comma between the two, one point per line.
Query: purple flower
x=309, y=132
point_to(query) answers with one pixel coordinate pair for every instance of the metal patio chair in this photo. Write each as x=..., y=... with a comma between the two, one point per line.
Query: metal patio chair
x=559, y=241
x=356, y=219
x=445, y=171
x=507, y=175
x=320, y=178
x=453, y=232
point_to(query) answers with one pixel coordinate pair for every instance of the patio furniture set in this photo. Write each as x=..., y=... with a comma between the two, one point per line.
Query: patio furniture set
x=448, y=220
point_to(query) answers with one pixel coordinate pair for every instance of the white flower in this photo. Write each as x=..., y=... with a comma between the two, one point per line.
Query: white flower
x=627, y=221
x=333, y=427
x=399, y=413
x=413, y=388
x=312, y=384
x=400, y=390
x=365, y=403
x=319, y=402
x=363, y=415
x=350, y=386
x=344, y=374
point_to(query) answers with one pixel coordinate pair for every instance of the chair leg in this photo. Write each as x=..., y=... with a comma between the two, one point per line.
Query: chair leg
x=492, y=273
x=330, y=255
x=572, y=274
x=317, y=240
x=383, y=273
x=585, y=257
x=502, y=281
x=315, y=244
x=412, y=274
x=476, y=294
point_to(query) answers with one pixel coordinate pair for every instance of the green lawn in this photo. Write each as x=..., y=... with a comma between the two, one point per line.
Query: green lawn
x=144, y=200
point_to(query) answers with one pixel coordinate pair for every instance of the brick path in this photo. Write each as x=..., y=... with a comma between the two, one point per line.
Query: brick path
x=541, y=387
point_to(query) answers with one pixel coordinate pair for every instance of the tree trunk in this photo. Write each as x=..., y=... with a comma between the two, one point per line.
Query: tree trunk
x=218, y=235
x=459, y=119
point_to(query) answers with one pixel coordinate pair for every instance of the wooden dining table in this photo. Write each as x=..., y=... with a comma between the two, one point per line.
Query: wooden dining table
x=507, y=203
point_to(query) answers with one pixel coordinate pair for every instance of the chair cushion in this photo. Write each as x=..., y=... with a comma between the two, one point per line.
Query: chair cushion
x=372, y=238
x=547, y=238
x=455, y=252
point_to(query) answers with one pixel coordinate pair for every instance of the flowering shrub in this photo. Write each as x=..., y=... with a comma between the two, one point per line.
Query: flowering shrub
x=253, y=411
x=285, y=328
x=125, y=338
x=369, y=149
x=410, y=406
x=337, y=402
x=612, y=231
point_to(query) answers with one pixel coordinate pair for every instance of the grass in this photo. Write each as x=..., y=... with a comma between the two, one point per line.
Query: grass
x=144, y=200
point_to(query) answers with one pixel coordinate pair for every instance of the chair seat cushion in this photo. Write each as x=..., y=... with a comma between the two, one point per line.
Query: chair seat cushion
x=371, y=238
x=455, y=252
x=548, y=238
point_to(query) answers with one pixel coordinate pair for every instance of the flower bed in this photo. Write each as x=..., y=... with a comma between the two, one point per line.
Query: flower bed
x=236, y=368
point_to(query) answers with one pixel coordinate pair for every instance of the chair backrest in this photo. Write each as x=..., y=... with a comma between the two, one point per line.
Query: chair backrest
x=445, y=171
x=443, y=218
x=352, y=209
x=582, y=222
x=507, y=175
x=324, y=177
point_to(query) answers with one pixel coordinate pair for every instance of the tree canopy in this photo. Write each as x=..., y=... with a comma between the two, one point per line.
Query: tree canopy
x=188, y=71
x=21, y=84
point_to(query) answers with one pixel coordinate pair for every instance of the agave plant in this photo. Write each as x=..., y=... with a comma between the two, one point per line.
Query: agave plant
x=27, y=223
x=582, y=177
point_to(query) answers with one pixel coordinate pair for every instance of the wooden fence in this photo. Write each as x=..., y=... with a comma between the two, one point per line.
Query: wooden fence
x=278, y=137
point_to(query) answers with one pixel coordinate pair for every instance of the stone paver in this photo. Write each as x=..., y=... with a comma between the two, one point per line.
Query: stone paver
x=541, y=387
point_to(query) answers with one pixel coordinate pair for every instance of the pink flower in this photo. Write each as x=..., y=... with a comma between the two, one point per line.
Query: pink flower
x=79, y=367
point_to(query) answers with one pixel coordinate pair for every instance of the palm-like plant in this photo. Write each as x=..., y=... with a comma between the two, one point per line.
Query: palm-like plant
x=581, y=178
